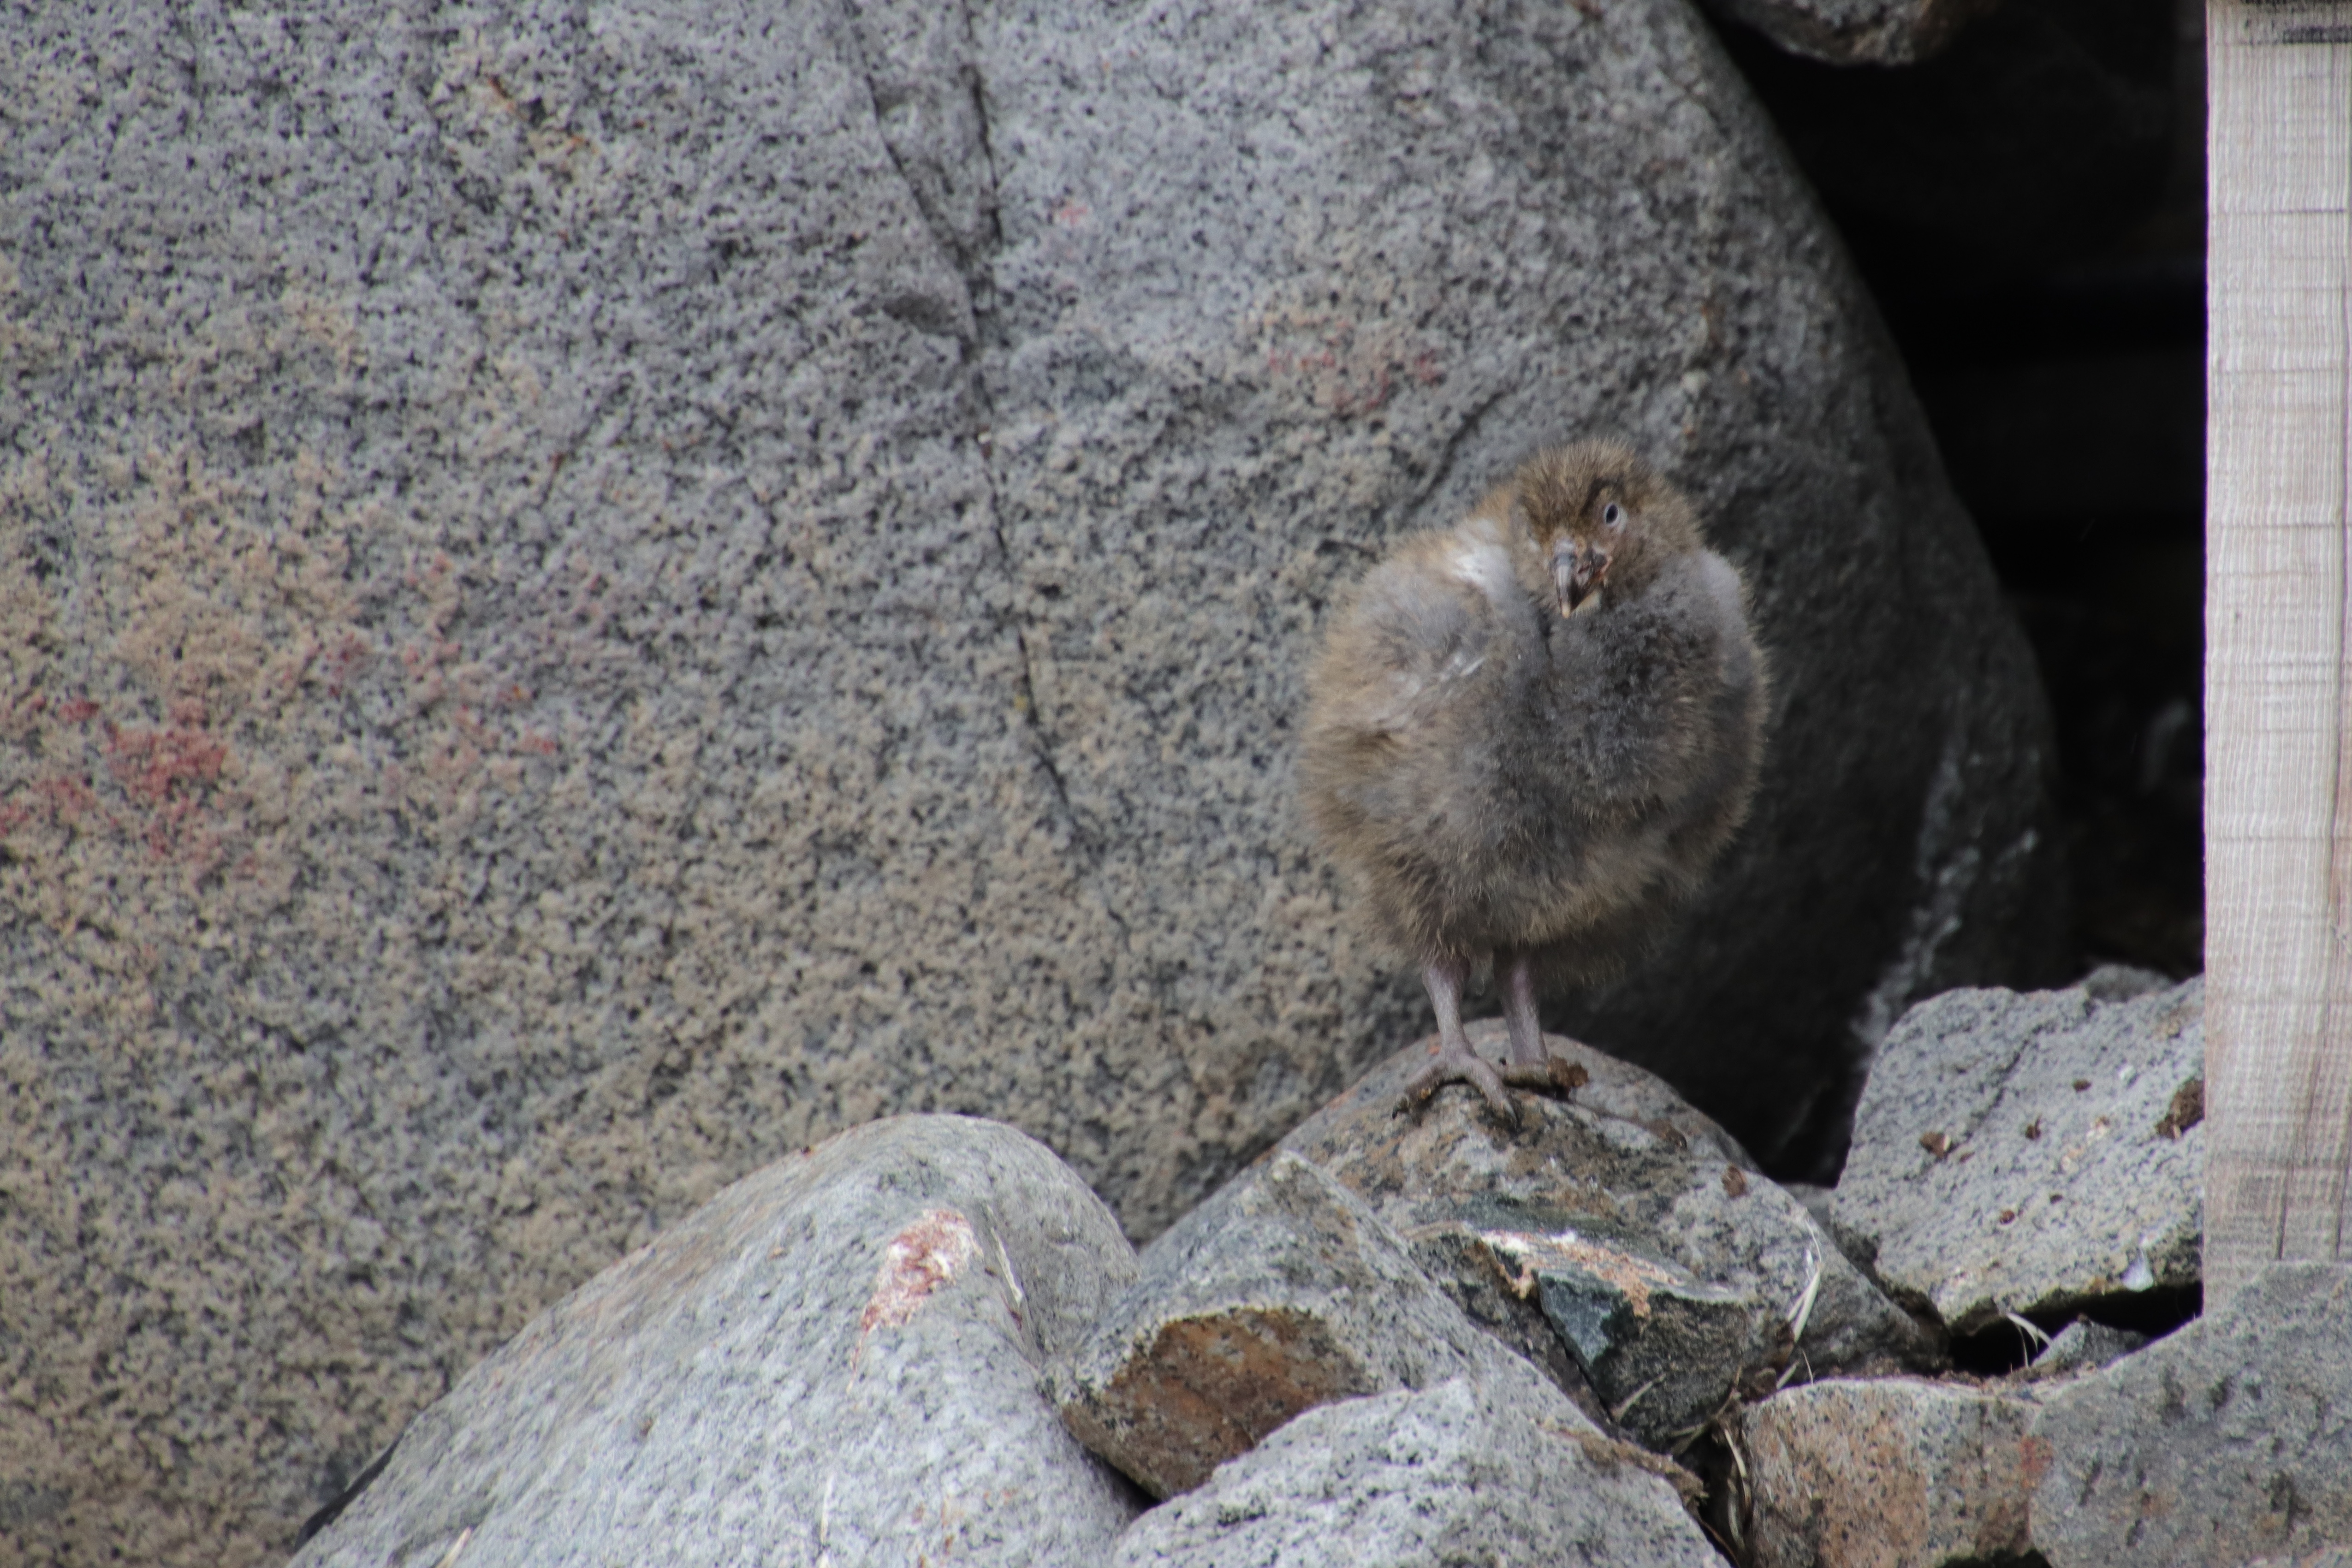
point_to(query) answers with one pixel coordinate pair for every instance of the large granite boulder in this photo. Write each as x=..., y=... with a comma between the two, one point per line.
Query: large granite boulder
x=1281, y=1293
x=1893, y=1470
x=598, y=594
x=1615, y=1237
x=836, y=1358
x=2034, y=1152
x=1498, y=1470
x=2229, y=1442
x=1856, y=32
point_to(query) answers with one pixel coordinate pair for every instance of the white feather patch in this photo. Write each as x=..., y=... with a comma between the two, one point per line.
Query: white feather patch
x=1721, y=583
x=1485, y=566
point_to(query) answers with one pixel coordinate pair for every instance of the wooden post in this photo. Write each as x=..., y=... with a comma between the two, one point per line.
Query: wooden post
x=2278, y=636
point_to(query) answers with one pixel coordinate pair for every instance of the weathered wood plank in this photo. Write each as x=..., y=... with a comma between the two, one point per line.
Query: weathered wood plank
x=2278, y=681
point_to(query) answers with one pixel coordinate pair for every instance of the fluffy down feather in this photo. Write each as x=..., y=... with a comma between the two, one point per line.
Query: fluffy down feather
x=1530, y=735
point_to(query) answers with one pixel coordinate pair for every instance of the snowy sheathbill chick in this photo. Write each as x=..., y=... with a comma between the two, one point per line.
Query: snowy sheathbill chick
x=1529, y=736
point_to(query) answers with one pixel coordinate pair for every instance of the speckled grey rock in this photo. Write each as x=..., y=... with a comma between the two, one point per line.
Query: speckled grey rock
x=599, y=593
x=2017, y=1152
x=1229, y=373
x=1500, y=1470
x=1617, y=1225
x=1856, y=32
x=1282, y=1293
x=2122, y=981
x=836, y=1358
x=1849, y=1472
x=2081, y=1346
x=2229, y=1440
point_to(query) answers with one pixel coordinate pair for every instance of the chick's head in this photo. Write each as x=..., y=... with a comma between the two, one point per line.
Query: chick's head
x=1603, y=520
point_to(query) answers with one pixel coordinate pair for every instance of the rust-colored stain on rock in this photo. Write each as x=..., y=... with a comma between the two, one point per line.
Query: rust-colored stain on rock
x=1895, y=1471
x=1210, y=1387
x=2187, y=1109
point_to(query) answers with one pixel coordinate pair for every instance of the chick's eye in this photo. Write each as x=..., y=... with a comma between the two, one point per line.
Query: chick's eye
x=1613, y=515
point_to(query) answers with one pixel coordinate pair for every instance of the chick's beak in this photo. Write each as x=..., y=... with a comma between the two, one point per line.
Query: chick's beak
x=1577, y=573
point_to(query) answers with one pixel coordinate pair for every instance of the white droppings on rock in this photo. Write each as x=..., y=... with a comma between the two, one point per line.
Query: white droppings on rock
x=918, y=1260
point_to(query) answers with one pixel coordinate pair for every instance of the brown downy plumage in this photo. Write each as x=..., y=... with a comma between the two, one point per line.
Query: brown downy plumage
x=1529, y=734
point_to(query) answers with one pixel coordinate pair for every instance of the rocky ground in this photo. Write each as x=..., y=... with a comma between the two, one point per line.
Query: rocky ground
x=600, y=595
x=1601, y=1337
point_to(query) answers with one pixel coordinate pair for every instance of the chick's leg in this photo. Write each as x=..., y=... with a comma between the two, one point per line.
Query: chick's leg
x=1519, y=976
x=1532, y=1065
x=1455, y=1062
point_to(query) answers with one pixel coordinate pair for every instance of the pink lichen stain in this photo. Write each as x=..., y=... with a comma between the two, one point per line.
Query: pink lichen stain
x=423, y=664
x=166, y=767
x=2037, y=1458
x=1351, y=369
x=70, y=799
x=1369, y=398
x=343, y=660
x=166, y=779
x=920, y=1259
x=168, y=775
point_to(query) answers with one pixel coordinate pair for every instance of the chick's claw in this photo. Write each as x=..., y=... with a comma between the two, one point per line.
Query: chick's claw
x=1458, y=1064
x=1552, y=1076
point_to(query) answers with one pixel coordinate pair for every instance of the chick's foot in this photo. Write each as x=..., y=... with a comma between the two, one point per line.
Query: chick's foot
x=1446, y=975
x=1455, y=1062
